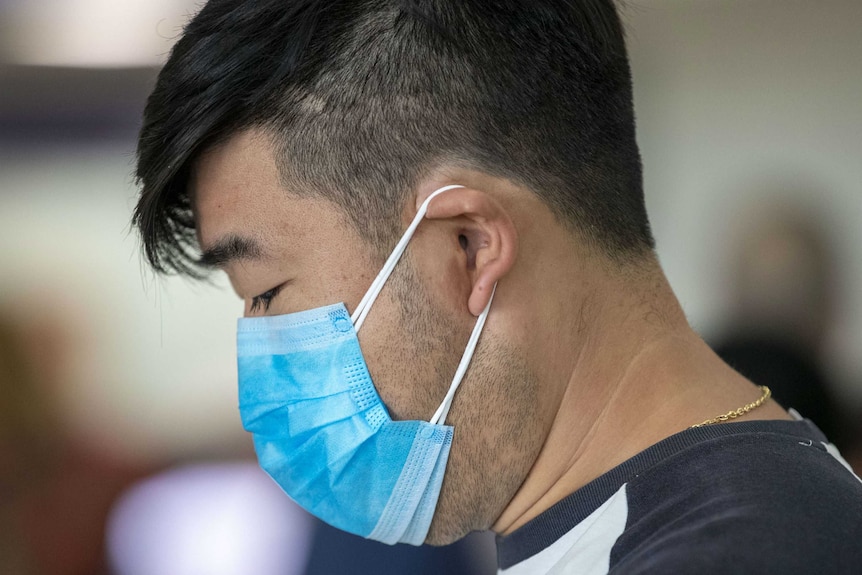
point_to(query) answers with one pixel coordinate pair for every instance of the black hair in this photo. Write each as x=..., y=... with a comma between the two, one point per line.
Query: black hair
x=362, y=97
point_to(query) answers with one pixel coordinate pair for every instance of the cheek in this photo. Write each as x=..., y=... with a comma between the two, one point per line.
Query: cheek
x=406, y=367
x=411, y=348
x=498, y=434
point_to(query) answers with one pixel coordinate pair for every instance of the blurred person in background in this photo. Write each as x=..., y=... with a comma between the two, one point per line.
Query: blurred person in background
x=55, y=492
x=297, y=145
x=784, y=295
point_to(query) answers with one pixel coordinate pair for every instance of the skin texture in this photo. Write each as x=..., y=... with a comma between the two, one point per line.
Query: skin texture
x=582, y=364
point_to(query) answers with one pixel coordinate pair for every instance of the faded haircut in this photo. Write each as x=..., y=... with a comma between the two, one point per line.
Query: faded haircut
x=361, y=98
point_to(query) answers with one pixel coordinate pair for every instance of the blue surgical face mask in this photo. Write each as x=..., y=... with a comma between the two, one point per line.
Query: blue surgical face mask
x=321, y=430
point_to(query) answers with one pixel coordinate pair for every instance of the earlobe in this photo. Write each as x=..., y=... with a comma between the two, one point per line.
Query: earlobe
x=488, y=237
x=493, y=261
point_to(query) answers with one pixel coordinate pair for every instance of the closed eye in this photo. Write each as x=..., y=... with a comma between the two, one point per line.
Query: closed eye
x=263, y=301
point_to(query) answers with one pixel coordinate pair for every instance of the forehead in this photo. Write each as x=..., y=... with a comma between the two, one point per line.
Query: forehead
x=235, y=189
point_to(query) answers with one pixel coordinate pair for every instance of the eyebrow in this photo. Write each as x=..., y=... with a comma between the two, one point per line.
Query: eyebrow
x=229, y=249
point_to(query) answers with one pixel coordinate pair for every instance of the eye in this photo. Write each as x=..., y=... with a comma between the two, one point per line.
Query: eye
x=264, y=300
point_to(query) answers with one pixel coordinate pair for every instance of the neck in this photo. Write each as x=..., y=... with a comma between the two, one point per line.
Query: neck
x=629, y=373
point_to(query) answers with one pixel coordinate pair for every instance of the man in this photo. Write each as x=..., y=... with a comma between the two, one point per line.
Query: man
x=484, y=155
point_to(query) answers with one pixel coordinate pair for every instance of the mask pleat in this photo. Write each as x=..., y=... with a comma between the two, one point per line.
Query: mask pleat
x=416, y=472
x=296, y=376
x=312, y=414
x=417, y=530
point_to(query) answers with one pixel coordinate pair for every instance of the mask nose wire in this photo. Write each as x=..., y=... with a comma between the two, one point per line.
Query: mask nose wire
x=359, y=314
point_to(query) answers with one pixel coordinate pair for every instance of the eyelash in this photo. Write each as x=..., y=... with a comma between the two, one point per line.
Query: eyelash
x=264, y=300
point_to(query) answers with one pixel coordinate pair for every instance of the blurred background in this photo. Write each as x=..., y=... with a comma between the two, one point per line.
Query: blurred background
x=121, y=449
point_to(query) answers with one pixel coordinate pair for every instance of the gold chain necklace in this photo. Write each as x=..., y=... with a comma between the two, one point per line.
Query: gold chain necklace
x=765, y=393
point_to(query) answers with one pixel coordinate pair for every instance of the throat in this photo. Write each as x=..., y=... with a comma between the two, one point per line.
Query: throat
x=609, y=415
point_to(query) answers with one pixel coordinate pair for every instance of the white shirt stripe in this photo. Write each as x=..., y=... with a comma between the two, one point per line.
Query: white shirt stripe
x=586, y=549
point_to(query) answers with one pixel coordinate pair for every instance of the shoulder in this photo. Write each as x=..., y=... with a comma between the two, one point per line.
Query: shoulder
x=762, y=501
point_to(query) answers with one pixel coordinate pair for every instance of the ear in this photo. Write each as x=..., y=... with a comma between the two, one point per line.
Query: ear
x=486, y=234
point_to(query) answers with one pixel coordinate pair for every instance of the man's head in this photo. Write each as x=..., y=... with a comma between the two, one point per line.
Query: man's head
x=363, y=98
x=290, y=142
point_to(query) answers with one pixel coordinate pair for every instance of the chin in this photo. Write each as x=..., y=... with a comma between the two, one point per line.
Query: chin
x=444, y=531
x=438, y=540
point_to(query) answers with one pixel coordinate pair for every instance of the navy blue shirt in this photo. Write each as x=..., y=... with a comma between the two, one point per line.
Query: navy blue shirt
x=748, y=497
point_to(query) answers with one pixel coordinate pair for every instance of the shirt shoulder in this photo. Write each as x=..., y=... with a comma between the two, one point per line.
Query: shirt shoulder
x=760, y=496
x=761, y=501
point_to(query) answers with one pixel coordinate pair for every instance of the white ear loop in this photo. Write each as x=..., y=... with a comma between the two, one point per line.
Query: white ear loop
x=361, y=312
x=443, y=410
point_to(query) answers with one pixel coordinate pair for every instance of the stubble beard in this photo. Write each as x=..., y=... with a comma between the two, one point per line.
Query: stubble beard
x=497, y=432
x=497, y=439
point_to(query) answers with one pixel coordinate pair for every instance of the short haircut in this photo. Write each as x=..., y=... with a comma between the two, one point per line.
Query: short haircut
x=364, y=97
